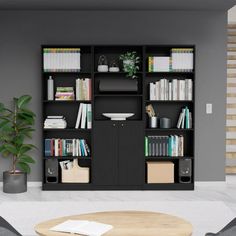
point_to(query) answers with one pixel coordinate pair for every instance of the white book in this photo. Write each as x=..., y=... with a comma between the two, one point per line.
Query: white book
x=161, y=64
x=89, y=116
x=180, y=120
x=79, y=116
x=170, y=91
x=162, y=89
x=176, y=145
x=157, y=90
x=181, y=89
x=184, y=115
x=190, y=90
x=166, y=90
x=77, y=89
x=73, y=148
x=84, y=227
x=152, y=91
x=87, y=82
x=56, y=147
x=84, y=114
x=174, y=89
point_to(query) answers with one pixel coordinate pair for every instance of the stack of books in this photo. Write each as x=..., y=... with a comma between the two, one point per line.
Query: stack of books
x=84, y=117
x=171, y=146
x=177, y=89
x=83, y=89
x=55, y=122
x=182, y=59
x=159, y=64
x=61, y=59
x=66, y=147
x=65, y=93
x=185, y=119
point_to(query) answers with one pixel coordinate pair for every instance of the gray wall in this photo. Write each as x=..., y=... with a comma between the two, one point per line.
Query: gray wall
x=22, y=33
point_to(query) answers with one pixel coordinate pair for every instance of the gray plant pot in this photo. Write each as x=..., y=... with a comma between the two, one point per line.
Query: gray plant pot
x=14, y=183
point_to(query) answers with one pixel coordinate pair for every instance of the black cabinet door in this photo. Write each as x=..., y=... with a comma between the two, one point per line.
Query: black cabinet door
x=104, y=162
x=131, y=153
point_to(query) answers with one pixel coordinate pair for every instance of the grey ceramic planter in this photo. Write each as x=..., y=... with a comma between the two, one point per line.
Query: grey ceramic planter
x=14, y=183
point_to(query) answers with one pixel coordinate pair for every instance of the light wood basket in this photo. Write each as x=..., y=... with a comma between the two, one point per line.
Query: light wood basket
x=76, y=174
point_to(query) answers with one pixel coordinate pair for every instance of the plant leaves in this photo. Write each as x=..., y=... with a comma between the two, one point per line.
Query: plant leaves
x=2, y=124
x=26, y=159
x=10, y=148
x=24, y=166
x=23, y=100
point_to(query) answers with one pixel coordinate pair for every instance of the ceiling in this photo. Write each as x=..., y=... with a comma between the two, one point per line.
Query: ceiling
x=116, y=4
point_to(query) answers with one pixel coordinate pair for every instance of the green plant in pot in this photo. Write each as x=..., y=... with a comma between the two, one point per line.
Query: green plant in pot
x=130, y=63
x=16, y=126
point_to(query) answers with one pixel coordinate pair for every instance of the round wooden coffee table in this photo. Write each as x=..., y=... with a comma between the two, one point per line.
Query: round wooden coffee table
x=127, y=223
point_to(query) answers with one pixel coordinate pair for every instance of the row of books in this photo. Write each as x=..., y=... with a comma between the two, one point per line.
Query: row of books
x=83, y=89
x=185, y=119
x=172, y=145
x=177, y=89
x=181, y=60
x=84, y=117
x=61, y=59
x=66, y=147
x=65, y=93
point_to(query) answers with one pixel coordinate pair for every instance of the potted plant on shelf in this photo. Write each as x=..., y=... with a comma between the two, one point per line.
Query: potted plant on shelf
x=130, y=63
x=16, y=125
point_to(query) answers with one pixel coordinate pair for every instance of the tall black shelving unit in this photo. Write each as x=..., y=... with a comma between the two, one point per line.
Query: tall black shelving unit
x=117, y=160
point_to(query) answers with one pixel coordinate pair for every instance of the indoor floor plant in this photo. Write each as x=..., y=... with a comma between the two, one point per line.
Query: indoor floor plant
x=16, y=125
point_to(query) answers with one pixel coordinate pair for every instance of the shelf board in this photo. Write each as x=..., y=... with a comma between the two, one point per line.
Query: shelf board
x=118, y=95
x=113, y=73
x=66, y=101
x=69, y=129
x=169, y=186
x=170, y=101
x=169, y=72
x=67, y=72
x=171, y=129
x=67, y=157
x=166, y=158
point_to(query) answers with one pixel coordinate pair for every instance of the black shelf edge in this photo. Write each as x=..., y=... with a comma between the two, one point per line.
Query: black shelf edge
x=67, y=157
x=66, y=101
x=113, y=73
x=170, y=101
x=170, y=72
x=66, y=72
x=171, y=129
x=68, y=129
x=91, y=186
x=118, y=95
x=166, y=158
x=172, y=186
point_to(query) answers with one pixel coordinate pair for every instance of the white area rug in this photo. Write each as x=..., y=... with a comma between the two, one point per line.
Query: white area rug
x=205, y=216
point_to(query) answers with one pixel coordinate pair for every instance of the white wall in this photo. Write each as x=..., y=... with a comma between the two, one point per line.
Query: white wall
x=232, y=14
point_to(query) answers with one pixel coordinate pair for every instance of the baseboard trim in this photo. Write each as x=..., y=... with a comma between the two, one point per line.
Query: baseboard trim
x=30, y=184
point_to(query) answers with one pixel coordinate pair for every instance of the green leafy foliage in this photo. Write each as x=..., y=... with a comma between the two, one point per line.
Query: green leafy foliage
x=130, y=63
x=15, y=126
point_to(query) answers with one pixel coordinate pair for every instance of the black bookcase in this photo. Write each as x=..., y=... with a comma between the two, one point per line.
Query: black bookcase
x=117, y=160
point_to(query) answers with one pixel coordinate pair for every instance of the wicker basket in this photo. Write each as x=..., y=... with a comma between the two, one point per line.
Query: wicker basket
x=76, y=174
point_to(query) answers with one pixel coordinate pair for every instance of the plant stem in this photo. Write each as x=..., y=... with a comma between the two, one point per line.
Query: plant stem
x=15, y=134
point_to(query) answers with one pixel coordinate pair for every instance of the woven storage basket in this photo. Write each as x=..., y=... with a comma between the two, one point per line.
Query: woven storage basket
x=76, y=174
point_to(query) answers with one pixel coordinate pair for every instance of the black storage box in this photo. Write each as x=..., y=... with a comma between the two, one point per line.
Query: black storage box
x=118, y=85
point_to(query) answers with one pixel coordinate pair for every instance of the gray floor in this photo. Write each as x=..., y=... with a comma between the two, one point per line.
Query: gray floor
x=208, y=208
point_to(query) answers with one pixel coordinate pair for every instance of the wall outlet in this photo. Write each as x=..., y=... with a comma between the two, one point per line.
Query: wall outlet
x=209, y=108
